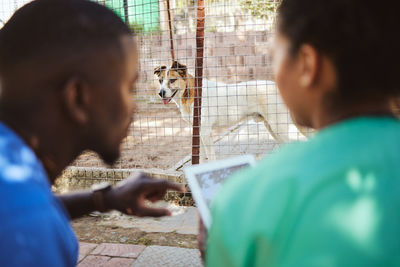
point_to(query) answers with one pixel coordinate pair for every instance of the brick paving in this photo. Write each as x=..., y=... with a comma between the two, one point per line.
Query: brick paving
x=91, y=261
x=127, y=255
x=85, y=249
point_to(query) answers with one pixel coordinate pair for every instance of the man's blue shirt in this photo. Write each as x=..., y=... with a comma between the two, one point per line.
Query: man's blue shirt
x=34, y=226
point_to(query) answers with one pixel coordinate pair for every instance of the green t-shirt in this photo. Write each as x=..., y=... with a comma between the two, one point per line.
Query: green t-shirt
x=331, y=201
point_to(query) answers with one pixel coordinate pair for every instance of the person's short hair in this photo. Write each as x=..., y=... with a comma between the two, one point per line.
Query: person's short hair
x=359, y=36
x=53, y=39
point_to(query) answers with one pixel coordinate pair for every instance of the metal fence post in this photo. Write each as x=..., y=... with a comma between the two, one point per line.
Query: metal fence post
x=199, y=83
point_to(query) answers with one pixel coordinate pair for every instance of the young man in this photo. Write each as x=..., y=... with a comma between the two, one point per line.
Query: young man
x=67, y=73
x=330, y=201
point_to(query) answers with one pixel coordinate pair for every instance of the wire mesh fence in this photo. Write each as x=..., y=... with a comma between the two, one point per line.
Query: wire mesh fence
x=241, y=113
x=237, y=66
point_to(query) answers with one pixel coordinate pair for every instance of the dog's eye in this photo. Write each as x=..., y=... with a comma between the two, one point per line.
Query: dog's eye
x=172, y=80
x=160, y=80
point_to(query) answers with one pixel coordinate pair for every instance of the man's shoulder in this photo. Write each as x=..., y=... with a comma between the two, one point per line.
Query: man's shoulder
x=23, y=181
x=35, y=228
x=37, y=234
x=18, y=163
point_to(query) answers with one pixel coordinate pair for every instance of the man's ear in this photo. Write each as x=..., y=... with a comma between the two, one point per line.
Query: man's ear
x=180, y=68
x=157, y=70
x=76, y=95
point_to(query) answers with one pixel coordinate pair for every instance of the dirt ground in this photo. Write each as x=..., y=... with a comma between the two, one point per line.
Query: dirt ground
x=89, y=229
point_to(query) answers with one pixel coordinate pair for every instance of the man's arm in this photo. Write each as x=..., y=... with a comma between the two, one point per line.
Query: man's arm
x=78, y=203
x=127, y=196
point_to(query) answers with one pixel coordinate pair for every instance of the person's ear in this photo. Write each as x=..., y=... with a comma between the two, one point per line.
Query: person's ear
x=309, y=65
x=76, y=95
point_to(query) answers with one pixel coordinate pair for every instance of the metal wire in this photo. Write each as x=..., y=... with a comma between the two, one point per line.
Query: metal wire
x=237, y=40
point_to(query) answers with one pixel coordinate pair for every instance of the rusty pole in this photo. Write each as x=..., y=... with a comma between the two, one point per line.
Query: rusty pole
x=199, y=79
x=126, y=12
x=170, y=32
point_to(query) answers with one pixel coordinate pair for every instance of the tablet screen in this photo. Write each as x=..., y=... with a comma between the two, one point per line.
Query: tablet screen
x=205, y=180
x=211, y=181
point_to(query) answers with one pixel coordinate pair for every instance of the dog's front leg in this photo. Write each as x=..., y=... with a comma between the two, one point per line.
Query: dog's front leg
x=203, y=154
x=207, y=144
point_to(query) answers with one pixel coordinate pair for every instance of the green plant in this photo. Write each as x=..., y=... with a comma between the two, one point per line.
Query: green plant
x=180, y=4
x=137, y=28
x=260, y=8
x=211, y=29
x=140, y=29
x=143, y=241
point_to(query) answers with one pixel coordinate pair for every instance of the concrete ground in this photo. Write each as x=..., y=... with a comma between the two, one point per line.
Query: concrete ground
x=184, y=220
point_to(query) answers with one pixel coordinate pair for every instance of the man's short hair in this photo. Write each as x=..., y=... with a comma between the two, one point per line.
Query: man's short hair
x=56, y=38
x=359, y=36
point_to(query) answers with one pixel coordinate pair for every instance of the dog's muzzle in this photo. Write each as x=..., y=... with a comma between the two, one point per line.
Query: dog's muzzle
x=161, y=93
x=166, y=100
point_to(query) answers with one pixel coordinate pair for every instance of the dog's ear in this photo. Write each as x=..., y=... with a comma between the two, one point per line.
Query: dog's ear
x=157, y=70
x=180, y=68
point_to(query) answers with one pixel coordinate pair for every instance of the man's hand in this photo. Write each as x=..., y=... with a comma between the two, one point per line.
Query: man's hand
x=129, y=195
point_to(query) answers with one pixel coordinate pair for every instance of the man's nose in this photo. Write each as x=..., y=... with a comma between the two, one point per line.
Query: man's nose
x=161, y=93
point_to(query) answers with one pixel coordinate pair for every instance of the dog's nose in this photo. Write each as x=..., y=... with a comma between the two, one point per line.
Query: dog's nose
x=161, y=93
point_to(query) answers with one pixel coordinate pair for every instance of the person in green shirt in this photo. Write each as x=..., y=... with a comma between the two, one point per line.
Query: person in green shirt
x=334, y=199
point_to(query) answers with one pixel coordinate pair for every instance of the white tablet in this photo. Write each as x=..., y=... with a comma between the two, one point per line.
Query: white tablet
x=206, y=179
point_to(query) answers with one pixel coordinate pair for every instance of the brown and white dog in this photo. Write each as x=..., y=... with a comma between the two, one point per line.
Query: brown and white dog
x=225, y=104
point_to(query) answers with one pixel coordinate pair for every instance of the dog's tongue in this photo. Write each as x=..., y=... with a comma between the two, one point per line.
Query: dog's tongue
x=166, y=101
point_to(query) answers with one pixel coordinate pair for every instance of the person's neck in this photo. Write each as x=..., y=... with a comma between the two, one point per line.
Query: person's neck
x=323, y=118
x=49, y=143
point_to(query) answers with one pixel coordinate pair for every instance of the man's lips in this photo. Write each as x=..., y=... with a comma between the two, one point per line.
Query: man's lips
x=166, y=100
